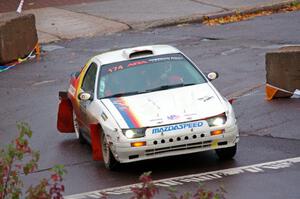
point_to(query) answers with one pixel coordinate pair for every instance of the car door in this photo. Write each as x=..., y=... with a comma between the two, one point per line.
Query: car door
x=87, y=86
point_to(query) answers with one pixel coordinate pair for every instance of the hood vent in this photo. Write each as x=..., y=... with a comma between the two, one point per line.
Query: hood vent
x=137, y=52
x=140, y=53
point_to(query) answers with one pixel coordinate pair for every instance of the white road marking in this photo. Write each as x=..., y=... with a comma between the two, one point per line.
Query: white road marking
x=231, y=51
x=51, y=47
x=200, y=177
x=43, y=82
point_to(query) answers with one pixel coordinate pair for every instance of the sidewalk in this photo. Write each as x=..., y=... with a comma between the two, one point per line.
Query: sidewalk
x=90, y=17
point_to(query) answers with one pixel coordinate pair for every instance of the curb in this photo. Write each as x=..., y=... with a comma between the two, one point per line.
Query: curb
x=272, y=7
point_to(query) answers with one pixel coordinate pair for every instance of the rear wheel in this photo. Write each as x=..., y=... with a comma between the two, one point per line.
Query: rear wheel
x=227, y=153
x=108, y=158
x=77, y=129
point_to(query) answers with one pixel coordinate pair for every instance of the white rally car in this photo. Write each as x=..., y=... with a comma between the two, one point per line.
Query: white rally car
x=146, y=102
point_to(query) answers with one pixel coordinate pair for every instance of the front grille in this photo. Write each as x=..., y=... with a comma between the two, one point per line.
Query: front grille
x=180, y=147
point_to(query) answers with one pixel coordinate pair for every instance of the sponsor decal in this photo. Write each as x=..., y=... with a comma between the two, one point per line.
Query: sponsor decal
x=190, y=114
x=72, y=90
x=104, y=116
x=127, y=114
x=199, y=177
x=176, y=127
x=137, y=63
x=156, y=119
x=206, y=98
x=110, y=68
x=115, y=68
x=173, y=117
x=214, y=144
x=160, y=59
x=129, y=65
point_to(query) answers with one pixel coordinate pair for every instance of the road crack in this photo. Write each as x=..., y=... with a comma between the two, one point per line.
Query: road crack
x=65, y=165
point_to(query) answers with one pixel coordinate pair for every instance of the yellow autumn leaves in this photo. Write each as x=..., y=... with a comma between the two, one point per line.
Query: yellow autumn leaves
x=242, y=17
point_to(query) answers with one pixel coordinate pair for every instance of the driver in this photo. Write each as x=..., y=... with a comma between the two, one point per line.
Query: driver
x=159, y=75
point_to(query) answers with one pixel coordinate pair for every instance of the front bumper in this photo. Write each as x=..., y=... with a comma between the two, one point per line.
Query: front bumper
x=175, y=144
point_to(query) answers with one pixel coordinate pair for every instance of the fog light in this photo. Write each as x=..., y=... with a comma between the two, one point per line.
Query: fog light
x=217, y=132
x=138, y=144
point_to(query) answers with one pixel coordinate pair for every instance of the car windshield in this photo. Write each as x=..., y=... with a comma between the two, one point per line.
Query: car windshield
x=147, y=75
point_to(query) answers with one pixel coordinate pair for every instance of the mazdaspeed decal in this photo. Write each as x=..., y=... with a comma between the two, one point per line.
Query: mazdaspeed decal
x=127, y=114
x=176, y=127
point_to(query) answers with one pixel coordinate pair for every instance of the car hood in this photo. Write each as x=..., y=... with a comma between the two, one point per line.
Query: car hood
x=165, y=107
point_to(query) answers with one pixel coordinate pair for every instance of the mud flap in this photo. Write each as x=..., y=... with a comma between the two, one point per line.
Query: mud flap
x=96, y=141
x=231, y=100
x=65, y=114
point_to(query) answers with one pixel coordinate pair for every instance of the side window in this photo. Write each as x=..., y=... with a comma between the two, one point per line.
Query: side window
x=88, y=82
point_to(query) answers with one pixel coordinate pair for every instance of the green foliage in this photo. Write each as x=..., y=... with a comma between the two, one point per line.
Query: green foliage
x=39, y=191
x=59, y=169
x=16, y=159
x=295, y=3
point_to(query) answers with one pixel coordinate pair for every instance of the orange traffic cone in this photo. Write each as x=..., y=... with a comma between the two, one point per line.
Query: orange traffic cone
x=275, y=92
x=270, y=92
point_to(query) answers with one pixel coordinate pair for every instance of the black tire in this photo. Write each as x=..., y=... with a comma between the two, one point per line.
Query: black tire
x=108, y=158
x=227, y=153
x=77, y=130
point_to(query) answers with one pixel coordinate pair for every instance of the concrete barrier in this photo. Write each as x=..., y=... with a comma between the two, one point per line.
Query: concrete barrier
x=18, y=36
x=283, y=71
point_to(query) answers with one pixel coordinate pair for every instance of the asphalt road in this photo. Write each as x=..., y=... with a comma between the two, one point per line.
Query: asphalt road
x=269, y=130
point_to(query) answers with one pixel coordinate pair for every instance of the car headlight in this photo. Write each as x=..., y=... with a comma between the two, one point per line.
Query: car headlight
x=134, y=133
x=217, y=120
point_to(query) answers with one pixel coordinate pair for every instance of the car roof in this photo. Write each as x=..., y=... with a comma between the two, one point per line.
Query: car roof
x=125, y=54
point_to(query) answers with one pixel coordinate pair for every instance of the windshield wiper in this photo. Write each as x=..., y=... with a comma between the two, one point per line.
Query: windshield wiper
x=165, y=87
x=124, y=94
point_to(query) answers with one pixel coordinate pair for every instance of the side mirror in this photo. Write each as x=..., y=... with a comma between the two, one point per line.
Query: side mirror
x=85, y=96
x=212, y=76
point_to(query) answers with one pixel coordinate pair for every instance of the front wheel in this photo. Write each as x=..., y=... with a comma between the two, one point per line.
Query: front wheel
x=108, y=158
x=227, y=153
